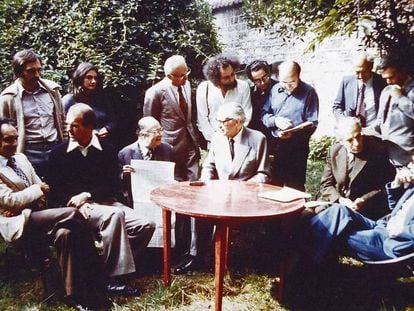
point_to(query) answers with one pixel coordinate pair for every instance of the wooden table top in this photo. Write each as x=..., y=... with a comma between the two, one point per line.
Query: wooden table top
x=223, y=199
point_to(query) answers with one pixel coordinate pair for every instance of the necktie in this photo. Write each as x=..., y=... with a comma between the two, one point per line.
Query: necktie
x=231, y=145
x=361, y=105
x=182, y=102
x=148, y=155
x=12, y=164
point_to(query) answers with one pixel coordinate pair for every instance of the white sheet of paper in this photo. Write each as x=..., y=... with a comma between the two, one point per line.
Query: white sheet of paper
x=149, y=175
x=285, y=194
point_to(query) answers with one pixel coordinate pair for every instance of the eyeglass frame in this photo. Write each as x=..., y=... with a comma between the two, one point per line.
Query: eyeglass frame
x=263, y=79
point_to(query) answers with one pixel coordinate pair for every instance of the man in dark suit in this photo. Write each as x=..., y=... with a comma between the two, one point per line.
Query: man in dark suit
x=85, y=175
x=358, y=95
x=22, y=216
x=148, y=147
x=258, y=71
x=356, y=171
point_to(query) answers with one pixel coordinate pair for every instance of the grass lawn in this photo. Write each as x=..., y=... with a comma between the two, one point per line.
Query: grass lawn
x=346, y=286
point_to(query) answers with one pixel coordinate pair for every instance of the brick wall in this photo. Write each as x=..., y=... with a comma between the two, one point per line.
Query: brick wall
x=323, y=67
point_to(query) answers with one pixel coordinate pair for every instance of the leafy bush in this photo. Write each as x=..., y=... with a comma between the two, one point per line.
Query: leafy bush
x=128, y=40
x=319, y=147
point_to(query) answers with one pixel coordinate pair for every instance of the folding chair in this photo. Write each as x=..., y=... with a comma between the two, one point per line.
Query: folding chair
x=403, y=265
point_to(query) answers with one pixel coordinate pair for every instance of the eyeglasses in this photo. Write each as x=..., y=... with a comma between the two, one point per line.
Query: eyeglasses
x=225, y=121
x=10, y=139
x=185, y=75
x=263, y=79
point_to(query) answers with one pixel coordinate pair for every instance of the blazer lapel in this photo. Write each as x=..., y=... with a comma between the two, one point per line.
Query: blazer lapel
x=242, y=151
x=173, y=100
x=358, y=165
x=339, y=166
x=11, y=179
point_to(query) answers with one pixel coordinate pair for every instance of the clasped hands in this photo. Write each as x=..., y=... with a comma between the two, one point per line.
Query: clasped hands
x=80, y=201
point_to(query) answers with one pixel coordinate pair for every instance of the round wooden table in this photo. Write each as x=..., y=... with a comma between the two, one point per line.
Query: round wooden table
x=224, y=202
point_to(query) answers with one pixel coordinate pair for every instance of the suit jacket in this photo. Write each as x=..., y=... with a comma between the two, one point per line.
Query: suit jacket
x=11, y=107
x=132, y=151
x=162, y=103
x=16, y=198
x=371, y=171
x=398, y=128
x=345, y=103
x=250, y=160
x=404, y=242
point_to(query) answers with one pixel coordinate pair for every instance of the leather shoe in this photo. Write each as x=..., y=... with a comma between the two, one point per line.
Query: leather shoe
x=72, y=303
x=188, y=265
x=122, y=290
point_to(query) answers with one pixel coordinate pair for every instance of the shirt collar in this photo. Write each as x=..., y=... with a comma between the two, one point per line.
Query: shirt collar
x=238, y=136
x=73, y=144
x=3, y=160
x=143, y=148
x=21, y=89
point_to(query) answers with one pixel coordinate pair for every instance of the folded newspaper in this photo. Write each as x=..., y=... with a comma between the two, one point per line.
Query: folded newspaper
x=286, y=194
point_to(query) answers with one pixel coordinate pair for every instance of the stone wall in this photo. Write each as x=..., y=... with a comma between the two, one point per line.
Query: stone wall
x=323, y=67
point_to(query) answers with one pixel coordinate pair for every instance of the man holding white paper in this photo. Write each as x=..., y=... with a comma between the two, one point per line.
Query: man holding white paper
x=291, y=103
x=148, y=146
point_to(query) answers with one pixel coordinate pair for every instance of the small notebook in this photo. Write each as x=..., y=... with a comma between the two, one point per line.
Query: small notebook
x=285, y=194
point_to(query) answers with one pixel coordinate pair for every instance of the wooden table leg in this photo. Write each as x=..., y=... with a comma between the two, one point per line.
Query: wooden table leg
x=226, y=255
x=219, y=269
x=166, y=231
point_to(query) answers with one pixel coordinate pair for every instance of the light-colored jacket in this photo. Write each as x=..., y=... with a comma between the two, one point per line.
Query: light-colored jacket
x=15, y=198
x=11, y=107
x=250, y=162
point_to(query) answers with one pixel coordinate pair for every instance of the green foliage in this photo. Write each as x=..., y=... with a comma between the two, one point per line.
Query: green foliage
x=319, y=147
x=128, y=40
x=388, y=25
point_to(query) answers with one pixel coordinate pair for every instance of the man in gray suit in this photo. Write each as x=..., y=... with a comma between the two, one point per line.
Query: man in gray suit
x=395, y=119
x=22, y=216
x=147, y=147
x=169, y=101
x=236, y=153
x=358, y=95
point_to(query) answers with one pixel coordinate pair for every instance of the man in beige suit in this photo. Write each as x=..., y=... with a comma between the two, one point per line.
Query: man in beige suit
x=236, y=153
x=22, y=195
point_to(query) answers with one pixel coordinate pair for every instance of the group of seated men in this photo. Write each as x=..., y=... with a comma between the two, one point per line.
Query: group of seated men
x=83, y=172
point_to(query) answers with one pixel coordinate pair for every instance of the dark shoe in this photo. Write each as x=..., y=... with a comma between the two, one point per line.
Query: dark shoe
x=119, y=289
x=72, y=303
x=189, y=264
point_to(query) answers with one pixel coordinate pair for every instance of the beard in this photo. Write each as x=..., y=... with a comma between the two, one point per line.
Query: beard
x=230, y=85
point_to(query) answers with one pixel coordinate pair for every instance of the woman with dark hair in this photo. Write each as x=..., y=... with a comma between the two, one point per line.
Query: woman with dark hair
x=87, y=87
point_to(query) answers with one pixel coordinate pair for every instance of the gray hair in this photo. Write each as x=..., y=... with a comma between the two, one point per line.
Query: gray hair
x=345, y=124
x=173, y=62
x=146, y=124
x=232, y=110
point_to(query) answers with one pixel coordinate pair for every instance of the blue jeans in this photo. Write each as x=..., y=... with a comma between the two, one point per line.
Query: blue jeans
x=361, y=234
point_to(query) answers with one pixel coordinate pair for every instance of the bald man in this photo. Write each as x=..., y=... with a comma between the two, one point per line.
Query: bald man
x=291, y=103
x=358, y=95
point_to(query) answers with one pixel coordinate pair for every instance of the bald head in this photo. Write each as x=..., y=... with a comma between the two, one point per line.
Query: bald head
x=289, y=75
x=80, y=122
